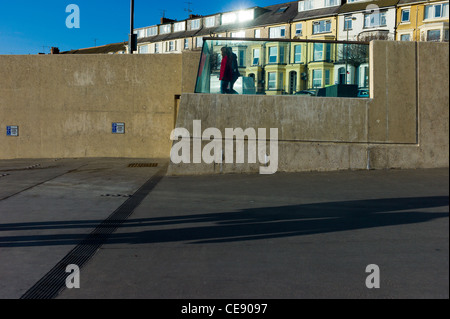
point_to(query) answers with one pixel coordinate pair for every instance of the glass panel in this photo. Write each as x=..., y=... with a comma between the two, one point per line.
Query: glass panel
x=285, y=67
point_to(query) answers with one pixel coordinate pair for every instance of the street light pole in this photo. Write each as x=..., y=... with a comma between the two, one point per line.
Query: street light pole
x=132, y=38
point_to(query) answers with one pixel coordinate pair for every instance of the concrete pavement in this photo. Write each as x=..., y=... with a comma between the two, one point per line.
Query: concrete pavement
x=299, y=235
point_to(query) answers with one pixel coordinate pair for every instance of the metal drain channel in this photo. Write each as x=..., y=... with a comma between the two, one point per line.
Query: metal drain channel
x=49, y=286
x=143, y=165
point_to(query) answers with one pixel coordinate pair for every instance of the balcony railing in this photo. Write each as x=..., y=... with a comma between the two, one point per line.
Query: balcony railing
x=280, y=67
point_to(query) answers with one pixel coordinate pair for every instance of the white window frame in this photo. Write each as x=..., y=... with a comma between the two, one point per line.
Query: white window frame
x=210, y=22
x=238, y=34
x=400, y=35
x=186, y=43
x=277, y=32
x=256, y=56
x=165, y=28
x=443, y=11
x=152, y=31
x=273, y=55
x=319, y=78
x=297, y=55
x=316, y=55
x=348, y=23
x=271, y=80
x=375, y=19
x=257, y=33
x=179, y=26
x=143, y=49
x=195, y=24
x=141, y=33
x=323, y=26
x=299, y=29
x=409, y=15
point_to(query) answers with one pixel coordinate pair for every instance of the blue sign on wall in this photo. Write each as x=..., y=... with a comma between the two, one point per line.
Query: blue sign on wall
x=118, y=128
x=12, y=131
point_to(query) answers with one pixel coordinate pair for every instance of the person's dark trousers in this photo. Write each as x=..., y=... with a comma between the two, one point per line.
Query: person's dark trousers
x=224, y=87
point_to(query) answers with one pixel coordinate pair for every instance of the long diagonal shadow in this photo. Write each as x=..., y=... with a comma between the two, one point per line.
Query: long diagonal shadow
x=247, y=224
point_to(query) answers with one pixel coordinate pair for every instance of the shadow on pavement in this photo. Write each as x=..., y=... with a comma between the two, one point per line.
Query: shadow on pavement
x=247, y=224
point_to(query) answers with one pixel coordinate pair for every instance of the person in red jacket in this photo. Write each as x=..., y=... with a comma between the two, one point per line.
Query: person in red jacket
x=226, y=72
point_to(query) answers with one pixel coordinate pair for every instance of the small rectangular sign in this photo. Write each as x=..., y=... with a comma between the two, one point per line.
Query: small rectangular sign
x=118, y=128
x=12, y=130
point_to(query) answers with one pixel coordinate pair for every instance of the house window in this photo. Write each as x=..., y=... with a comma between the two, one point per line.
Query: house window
x=282, y=9
x=239, y=34
x=436, y=11
x=195, y=24
x=258, y=33
x=280, y=81
x=328, y=52
x=171, y=46
x=140, y=33
x=323, y=26
x=282, y=49
x=143, y=49
x=273, y=54
x=241, y=57
x=152, y=31
x=272, y=76
x=375, y=19
x=199, y=42
x=277, y=32
x=210, y=22
x=318, y=51
x=405, y=15
x=297, y=54
x=327, y=77
x=186, y=44
x=405, y=37
x=317, y=78
x=306, y=5
x=348, y=25
x=434, y=35
x=165, y=29
x=298, y=29
x=331, y=3
x=256, y=55
x=156, y=47
x=180, y=26
x=366, y=76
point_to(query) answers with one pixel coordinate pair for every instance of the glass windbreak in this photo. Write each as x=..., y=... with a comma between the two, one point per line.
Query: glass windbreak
x=312, y=68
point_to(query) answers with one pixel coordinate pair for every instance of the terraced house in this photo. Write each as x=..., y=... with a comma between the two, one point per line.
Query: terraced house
x=297, y=51
x=419, y=20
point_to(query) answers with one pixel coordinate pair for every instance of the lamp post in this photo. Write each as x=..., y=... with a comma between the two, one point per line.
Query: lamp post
x=132, y=41
x=346, y=51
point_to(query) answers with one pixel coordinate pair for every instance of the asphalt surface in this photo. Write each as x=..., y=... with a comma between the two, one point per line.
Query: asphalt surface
x=285, y=236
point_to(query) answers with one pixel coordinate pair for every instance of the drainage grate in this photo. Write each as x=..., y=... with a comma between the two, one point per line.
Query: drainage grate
x=143, y=165
x=54, y=281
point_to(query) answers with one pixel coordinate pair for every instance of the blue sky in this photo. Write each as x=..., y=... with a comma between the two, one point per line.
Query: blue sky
x=30, y=26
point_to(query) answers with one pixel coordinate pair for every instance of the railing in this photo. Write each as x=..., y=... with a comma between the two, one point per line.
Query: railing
x=280, y=67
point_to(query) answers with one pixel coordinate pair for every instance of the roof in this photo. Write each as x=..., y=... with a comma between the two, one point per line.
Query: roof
x=310, y=14
x=407, y=2
x=264, y=16
x=104, y=49
x=362, y=5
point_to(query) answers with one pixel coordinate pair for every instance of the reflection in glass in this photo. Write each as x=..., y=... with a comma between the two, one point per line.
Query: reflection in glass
x=297, y=67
